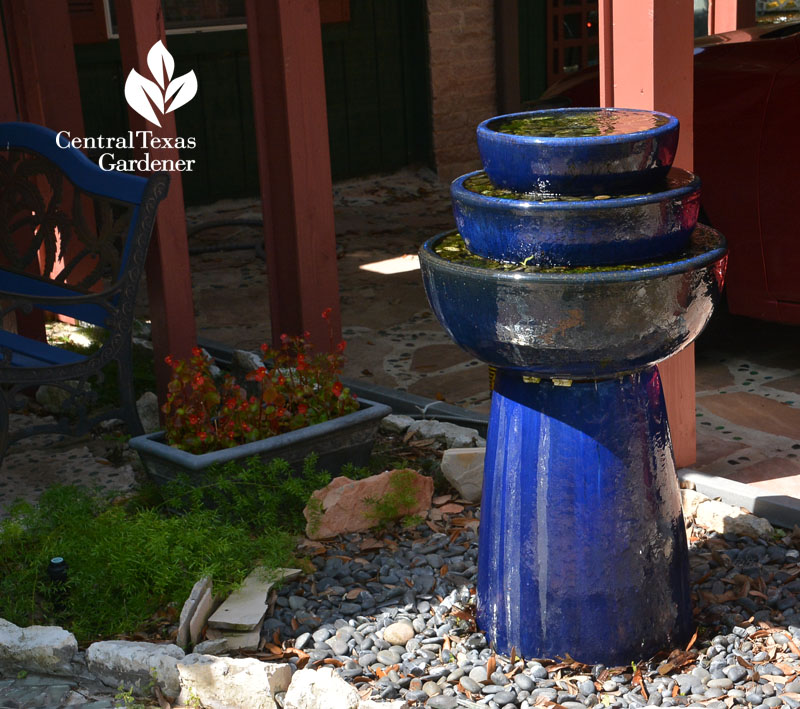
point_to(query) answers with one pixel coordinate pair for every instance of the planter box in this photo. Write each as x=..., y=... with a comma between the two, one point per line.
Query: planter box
x=347, y=439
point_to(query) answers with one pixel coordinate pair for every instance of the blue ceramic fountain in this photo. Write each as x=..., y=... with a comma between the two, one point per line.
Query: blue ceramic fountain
x=582, y=545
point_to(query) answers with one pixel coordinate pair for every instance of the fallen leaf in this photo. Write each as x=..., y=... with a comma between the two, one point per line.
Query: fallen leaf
x=441, y=499
x=691, y=642
x=332, y=661
x=443, y=570
x=665, y=668
x=352, y=594
x=491, y=666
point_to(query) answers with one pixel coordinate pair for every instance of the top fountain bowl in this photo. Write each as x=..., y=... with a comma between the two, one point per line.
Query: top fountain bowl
x=579, y=151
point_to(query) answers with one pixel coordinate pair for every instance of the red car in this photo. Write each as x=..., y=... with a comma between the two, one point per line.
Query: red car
x=747, y=153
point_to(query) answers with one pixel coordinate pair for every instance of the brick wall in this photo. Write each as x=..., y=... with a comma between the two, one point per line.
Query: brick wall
x=462, y=62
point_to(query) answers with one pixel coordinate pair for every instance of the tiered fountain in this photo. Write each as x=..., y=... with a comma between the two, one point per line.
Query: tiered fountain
x=577, y=266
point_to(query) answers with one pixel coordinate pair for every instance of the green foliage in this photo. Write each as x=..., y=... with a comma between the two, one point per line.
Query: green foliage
x=398, y=501
x=124, y=565
x=255, y=494
x=296, y=388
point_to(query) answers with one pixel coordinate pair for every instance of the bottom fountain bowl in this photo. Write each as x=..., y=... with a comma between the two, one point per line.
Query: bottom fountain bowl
x=577, y=324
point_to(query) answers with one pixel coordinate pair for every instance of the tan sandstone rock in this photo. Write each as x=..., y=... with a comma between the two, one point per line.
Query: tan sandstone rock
x=343, y=506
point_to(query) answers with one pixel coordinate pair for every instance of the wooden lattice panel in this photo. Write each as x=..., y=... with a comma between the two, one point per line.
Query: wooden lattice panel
x=572, y=36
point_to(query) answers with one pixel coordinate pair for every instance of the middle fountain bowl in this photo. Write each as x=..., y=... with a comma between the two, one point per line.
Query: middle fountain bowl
x=572, y=231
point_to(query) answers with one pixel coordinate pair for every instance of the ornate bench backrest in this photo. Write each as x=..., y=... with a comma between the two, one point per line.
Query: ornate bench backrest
x=73, y=237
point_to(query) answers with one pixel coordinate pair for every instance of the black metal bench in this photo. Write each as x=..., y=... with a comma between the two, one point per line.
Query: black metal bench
x=73, y=241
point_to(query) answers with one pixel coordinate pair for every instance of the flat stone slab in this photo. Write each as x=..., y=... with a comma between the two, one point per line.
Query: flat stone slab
x=246, y=607
x=199, y=590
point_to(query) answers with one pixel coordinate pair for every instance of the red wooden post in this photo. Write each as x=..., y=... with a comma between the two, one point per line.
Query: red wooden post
x=728, y=15
x=169, y=283
x=294, y=165
x=45, y=77
x=651, y=66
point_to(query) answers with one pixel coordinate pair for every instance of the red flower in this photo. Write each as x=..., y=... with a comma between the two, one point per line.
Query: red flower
x=340, y=347
x=196, y=351
x=302, y=408
x=337, y=389
x=327, y=313
x=281, y=380
x=194, y=419
x=202, y=435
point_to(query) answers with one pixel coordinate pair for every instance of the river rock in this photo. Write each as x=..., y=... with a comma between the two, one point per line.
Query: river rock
x=463, y=468
x=38, y=648
x=223, y=682
x=341, y=507
x=135, y=664
x=320, y=689
x=399, y=633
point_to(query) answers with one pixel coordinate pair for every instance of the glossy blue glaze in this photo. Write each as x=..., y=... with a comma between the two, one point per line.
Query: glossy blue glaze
x=592, y=165
x=577, y=325
x=586, y=233
x=582, y=545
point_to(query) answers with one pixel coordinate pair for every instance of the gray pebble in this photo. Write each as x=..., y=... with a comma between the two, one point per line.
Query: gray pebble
x=441, y=701
x=470, y=685
x=431, y=688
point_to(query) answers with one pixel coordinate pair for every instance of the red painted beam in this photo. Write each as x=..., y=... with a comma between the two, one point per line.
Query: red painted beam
x=169, y=282
x=728, y=15
x=45, y=81
x=288, y=83
x=650, y=65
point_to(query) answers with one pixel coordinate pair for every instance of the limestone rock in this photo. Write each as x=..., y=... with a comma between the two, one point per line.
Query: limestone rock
x=720, y=517
x=375, y=704
x=449, y=434
x=235, y=640
x=189, y=609
x=200, y=616
x=246, y=607
x=395, y=423
x=52, y=397
x=135, y=664
x=38, y=648
x=243, y=362
x=211, y=647
x=341, y=507
x=690, y=499
x=399, y=633
x=147, y=406
x=463, y=468
x=226, y=683
x=320, y=689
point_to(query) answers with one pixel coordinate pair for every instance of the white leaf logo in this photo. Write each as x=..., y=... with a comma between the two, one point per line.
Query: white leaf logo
x=144, y=95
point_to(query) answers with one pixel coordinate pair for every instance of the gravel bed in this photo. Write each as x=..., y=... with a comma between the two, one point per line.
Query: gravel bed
x=395, y=615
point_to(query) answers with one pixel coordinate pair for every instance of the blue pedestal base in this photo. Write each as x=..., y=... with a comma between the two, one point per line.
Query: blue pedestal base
x=582, y=542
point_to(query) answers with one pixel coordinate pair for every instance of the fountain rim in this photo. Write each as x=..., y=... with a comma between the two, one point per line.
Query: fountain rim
x=577, y=141
x=594, y=277
x=457, y=189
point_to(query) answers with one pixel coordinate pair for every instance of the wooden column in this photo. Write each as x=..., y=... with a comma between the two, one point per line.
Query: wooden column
x=288, y=82
x=169, y=282
x=728, y=15
x=506, y=23
x=647, y=61
x=44, y=77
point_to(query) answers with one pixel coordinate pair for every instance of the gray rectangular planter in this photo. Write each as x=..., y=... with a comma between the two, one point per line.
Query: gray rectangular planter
x=347, y=439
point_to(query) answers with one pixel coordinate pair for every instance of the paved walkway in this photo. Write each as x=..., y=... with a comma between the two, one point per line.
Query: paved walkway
x=748, y=372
